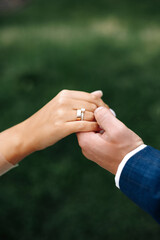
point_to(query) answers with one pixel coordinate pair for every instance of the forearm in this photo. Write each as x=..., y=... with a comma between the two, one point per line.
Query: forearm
x=16, y=143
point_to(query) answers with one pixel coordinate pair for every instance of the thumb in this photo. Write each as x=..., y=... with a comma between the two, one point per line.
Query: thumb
x=105, y=118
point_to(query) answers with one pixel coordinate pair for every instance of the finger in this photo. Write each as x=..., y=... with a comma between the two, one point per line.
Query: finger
x=72, y=116
x=89, y=141
x=85, y=138
x=98, y=93
x=106, y=119
x=86, y=97
x=100, y=103
x=82, y=126
x=83, y=104
x=89, y=116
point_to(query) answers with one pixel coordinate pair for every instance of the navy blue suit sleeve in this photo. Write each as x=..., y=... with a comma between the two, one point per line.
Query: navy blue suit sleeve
x=140, y=180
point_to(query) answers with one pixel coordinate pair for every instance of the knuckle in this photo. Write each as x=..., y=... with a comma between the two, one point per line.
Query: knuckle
x=93, y=107
x=91, y=116
x=94, y=97
x=61, y=100
x=58, y=124
x=60, y=112
x=64, y=92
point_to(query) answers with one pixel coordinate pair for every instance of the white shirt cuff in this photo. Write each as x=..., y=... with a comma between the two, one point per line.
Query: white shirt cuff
x=124, y=161
x=5, y=166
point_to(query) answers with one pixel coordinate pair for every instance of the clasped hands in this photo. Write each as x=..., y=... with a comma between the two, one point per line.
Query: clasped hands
x=57, y=119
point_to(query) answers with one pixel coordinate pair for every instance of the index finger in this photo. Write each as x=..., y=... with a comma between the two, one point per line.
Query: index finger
x=80, y=95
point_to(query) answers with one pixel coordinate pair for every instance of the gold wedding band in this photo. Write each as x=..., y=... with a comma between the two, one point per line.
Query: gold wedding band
x=80, y=114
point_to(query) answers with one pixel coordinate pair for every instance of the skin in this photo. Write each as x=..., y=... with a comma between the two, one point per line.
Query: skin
x=109, y=148
x=54, y=121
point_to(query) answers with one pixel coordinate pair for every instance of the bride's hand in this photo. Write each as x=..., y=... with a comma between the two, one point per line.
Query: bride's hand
x=54, y=121
x=57, y=119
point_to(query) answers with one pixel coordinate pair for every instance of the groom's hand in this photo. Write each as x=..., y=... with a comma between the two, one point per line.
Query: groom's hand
x=109, y=148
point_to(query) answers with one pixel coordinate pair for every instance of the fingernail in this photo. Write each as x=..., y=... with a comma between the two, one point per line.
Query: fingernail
x=113, y=112
x=98, y=109
x=98, y=92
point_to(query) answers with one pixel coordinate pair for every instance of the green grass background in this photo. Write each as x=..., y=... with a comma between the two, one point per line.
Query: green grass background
x=82, y=45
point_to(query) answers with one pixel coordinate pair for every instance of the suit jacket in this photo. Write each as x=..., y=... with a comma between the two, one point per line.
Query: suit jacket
x=140, y=180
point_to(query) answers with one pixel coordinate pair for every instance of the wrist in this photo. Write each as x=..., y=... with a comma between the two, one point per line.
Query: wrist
x=125, y=160
x=15, y=143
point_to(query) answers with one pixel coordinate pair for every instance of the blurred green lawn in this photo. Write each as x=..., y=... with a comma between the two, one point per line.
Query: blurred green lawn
x=81, y=45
